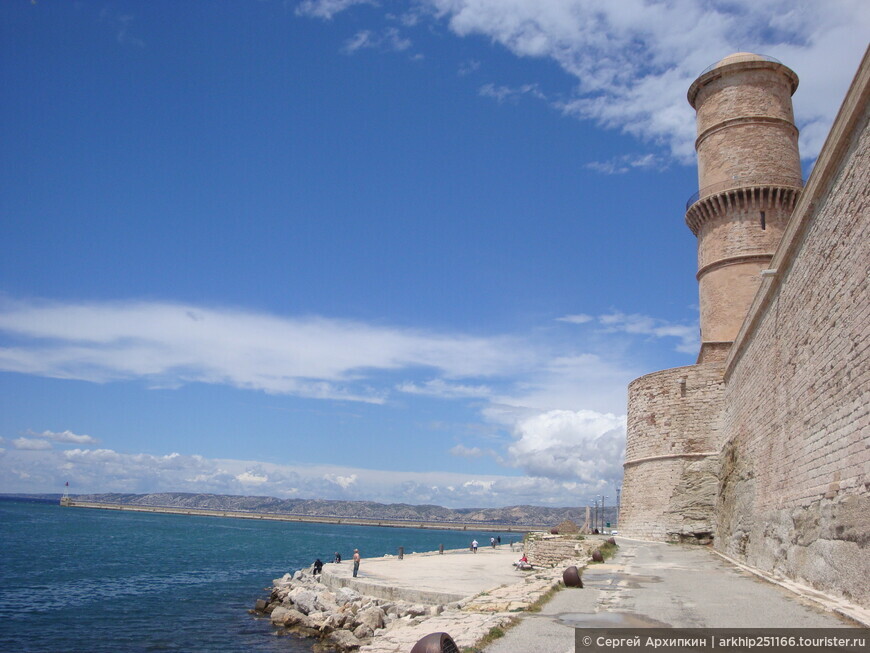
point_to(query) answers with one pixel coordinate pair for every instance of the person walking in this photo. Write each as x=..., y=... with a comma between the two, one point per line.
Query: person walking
x=356, y=559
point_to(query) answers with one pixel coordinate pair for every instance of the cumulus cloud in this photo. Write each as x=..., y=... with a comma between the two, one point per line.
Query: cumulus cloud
x=632, y=61
x=249, y=477
x=579, y=445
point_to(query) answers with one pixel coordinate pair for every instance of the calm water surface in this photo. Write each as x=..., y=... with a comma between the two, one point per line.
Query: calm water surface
x=75, y=579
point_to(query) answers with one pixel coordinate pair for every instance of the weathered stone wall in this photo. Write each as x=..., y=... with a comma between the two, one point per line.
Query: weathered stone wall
x=669, y=486
x=794, y=497
x=549, y=550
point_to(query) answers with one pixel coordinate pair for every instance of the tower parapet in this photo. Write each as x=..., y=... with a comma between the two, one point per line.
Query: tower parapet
x=749, y=176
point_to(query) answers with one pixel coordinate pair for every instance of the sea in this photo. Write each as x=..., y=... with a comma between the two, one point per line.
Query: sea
x=90, y=580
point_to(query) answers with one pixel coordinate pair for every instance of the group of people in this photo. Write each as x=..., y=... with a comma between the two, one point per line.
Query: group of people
x=493, y=542
x=318, y=564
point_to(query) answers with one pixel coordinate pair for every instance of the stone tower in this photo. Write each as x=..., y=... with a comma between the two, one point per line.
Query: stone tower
x=749, y=176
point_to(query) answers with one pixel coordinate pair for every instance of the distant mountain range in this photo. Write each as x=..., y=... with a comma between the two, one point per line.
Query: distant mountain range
x=519, y=515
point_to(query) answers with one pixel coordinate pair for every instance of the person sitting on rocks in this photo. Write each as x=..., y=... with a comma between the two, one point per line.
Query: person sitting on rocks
x=337, y=557
x=318, y=566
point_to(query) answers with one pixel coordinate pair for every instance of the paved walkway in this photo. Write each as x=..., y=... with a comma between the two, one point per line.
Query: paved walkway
x=429, y=577
x=654, y=584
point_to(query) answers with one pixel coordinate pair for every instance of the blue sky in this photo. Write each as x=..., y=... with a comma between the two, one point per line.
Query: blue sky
x=399, y=251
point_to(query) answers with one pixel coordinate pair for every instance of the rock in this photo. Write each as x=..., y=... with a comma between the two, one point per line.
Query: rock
x=344, y=640
x=346, y=595
x=304, y=599
x=372, y=617
x=289, y=617
x=363, y=632
x=326, y=601
x=417, y=610
x=271, y=606
x=260, y=605
x=299, y=575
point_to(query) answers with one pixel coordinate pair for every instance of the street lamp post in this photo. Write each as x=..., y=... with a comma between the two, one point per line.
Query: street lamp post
x=618, y=490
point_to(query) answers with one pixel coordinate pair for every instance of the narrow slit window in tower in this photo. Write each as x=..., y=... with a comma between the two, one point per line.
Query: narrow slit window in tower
x=763, y=221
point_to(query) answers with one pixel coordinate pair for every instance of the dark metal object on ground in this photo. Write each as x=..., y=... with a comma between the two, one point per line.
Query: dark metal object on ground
x=401, y=553
x=571, y=577
x=611, y=540
x=596, y=556
x=436, y=643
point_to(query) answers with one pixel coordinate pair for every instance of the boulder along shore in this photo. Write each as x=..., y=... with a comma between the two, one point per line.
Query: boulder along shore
x=344, y=619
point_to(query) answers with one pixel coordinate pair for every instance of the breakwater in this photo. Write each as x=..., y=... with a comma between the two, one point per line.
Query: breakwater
x=309, y=519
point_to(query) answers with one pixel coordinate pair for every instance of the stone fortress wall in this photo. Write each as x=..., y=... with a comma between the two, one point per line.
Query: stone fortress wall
x=674, y=449
x=784, y=409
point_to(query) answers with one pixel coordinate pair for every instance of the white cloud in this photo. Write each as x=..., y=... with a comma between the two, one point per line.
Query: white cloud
x=105, y=470
x=513, y=93
x=572, y=445
x=625, y=163
x=441, y=388
x=466, y=452
x=390, y=40
x=169, y=345
x=687, y=334
x=251, y=478
x=326, y=9
x=468, y=67
x=31, y=444
x=64, y=436
x=343, y=482
x=579, y=318
x=633, y=60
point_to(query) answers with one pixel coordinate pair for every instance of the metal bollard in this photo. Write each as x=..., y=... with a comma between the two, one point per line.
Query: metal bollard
x=441, y=549
x=436, y=643
x=401, y=553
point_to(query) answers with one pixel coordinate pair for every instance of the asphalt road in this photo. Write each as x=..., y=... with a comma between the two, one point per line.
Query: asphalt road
x=666, y=585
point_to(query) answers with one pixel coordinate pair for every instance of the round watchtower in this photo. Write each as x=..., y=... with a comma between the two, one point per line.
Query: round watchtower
x=749, y=176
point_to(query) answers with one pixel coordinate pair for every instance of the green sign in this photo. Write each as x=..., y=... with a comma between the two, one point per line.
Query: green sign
x=608, y=524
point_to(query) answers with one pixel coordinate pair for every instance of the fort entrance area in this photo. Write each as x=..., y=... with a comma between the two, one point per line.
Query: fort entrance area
x=763, y=447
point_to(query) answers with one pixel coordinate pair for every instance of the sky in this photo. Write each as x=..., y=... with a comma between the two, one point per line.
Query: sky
x=357, y=249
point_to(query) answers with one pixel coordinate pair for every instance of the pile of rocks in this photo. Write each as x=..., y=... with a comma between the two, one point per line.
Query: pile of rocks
x=345, y=619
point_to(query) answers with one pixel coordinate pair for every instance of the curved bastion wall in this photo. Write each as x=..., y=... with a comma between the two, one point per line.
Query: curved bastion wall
x=671, y=457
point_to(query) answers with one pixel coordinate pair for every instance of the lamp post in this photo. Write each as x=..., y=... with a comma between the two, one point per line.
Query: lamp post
x=618, y=490
x=603, y=513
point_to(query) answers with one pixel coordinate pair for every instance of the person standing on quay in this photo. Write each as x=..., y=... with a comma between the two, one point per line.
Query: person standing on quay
x=356, y=559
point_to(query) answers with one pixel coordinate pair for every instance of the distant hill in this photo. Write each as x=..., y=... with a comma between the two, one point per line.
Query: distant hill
x=519, y=515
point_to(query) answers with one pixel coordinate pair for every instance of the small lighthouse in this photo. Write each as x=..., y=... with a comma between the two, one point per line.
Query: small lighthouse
x=749, y=176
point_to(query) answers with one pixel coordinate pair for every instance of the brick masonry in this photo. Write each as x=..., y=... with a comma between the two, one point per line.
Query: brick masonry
x=669, y=486
x=784, y=483
x=794, y=499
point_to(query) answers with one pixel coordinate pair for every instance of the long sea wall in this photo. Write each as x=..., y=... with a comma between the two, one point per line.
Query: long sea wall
x=309, y=519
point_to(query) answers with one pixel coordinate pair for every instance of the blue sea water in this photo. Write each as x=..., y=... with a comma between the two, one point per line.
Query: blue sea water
x=77, y=579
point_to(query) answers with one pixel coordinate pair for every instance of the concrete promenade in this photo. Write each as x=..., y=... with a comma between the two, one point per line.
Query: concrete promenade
x=429, y=578
x=651, y=584
x=646, y=584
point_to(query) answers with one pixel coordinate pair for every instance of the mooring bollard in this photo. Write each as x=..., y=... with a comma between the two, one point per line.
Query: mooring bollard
x=401, y=553
x=436, y=643
x=441, y=549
